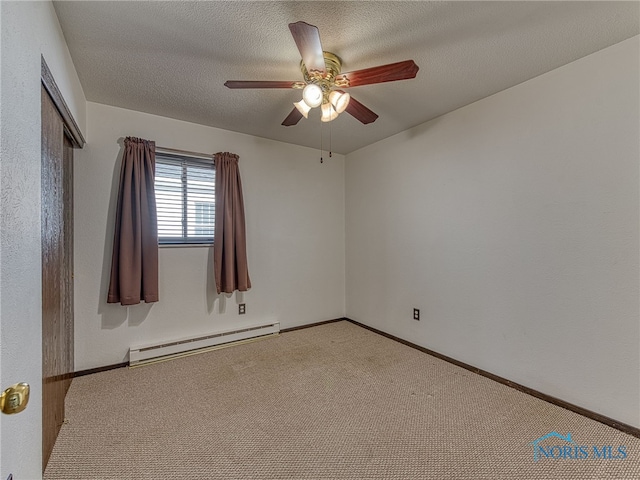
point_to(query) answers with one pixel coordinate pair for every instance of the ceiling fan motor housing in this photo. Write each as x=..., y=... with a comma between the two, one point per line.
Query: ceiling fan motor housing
x=326, y=81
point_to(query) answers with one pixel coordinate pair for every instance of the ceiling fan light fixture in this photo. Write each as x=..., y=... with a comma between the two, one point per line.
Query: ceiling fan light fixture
x=312, y=95
x=328, y=112
x=339, y=100
x=303, y=108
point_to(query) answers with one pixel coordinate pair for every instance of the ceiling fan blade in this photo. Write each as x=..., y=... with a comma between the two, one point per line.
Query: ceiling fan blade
x=293, y=118
x=262, y=84
x=383, y=73
x=360, y=112
x=307, y=38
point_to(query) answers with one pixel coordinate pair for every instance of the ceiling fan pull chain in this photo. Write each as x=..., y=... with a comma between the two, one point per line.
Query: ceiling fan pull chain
x=321, y=159
x=330, y=130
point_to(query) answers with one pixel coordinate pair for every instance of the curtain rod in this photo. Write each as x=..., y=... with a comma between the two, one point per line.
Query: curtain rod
x=185, y=152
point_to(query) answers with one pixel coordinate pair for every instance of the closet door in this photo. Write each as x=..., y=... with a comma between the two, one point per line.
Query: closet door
x=57, y=271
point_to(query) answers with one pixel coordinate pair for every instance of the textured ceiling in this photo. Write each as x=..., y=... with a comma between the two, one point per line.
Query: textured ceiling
x=172, y=58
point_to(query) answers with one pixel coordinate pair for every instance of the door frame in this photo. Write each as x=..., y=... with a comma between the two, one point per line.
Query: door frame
x=70, y=126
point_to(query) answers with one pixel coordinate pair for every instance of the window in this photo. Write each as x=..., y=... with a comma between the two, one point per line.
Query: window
x=185, y=199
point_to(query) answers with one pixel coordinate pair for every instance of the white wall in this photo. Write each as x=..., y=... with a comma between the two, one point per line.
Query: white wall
x=295, y=227
x=29, y=29
x=512, y=224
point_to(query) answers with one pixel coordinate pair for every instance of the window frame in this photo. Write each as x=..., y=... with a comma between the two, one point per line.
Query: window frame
x=185, y=162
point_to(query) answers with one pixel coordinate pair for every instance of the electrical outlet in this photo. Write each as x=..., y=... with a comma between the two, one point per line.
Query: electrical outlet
x=242, y=309
x=416, y=314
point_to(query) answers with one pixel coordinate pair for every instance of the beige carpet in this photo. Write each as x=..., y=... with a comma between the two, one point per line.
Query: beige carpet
x=329, y=402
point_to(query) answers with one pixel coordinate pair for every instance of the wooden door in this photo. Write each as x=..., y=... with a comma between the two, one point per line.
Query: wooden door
x=57, y=271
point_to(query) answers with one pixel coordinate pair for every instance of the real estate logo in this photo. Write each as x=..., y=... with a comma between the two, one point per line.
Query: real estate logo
x=569, y=449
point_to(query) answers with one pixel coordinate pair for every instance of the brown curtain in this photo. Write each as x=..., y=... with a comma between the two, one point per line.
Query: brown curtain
x=134, y=264
x=229, y=243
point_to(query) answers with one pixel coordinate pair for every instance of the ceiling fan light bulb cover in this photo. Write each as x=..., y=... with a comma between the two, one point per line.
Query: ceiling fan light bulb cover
x=328, y=112
x=339, y=100
x=312, y=95
x=303, y=108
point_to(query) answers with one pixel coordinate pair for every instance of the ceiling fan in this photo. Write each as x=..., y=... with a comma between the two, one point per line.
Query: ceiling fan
x=324, y=83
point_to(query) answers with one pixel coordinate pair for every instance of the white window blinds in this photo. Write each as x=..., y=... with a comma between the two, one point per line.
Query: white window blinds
x=185, y=199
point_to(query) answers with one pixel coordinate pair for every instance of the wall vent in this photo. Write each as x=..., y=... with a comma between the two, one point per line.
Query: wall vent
x=142, y=355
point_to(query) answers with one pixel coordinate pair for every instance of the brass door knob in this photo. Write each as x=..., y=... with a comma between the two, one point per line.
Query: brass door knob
x=15, y=398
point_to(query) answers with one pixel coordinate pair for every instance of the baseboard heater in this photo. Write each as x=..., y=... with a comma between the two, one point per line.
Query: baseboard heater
x=142, y=355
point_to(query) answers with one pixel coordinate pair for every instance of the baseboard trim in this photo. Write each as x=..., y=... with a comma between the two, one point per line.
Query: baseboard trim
x=309, y=325
x=90, y=371
x=623, y=427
